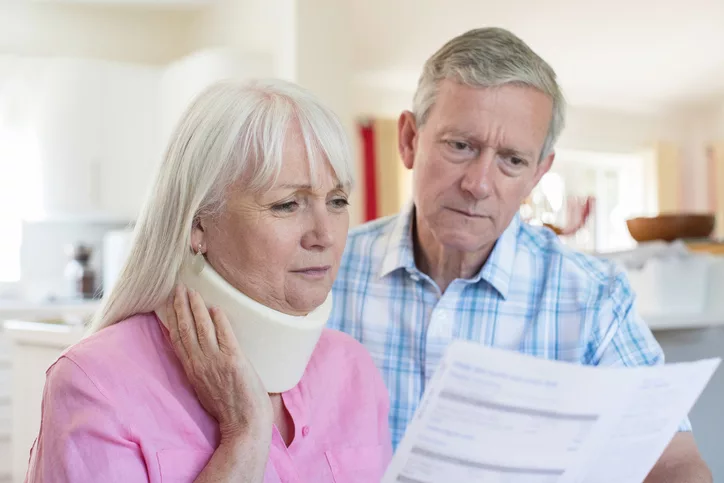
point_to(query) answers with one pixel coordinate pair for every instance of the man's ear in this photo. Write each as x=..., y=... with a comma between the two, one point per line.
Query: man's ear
x=407, y=137
x=544, y=165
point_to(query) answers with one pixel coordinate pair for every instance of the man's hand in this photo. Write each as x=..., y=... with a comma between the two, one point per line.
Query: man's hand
x=680, y=463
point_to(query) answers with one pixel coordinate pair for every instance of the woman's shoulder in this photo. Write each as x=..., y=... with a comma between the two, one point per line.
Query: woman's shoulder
x=131, y=343
x=338, y=343
x=118, y=339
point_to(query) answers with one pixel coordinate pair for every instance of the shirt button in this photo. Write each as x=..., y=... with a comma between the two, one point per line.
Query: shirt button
x=305, y=431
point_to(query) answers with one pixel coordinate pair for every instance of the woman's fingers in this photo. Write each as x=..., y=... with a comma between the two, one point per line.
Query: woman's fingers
x=205, y=332
x=224, y=334
x=185, y=322
x=224, y=380
x=172, y=323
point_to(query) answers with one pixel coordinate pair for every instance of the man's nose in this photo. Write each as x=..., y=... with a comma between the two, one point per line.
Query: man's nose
x=478, y=175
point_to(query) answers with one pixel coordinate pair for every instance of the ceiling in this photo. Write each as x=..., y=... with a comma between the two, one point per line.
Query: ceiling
x=171, y=4
x=636, y=55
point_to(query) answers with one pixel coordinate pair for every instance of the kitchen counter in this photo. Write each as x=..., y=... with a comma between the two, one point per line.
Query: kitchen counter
x=678, y=285
x=58, y=335
x=659, y=322
x=68, y=311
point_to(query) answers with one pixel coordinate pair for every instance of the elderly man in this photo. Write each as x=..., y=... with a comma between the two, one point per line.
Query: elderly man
x=459, y=263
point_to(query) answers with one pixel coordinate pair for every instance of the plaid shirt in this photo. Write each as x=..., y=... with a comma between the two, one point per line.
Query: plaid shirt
x=533, y=295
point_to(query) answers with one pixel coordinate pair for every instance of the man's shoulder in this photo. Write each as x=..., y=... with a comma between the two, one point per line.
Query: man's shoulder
x=368, y=241
x=573, y=267
x=374, y=229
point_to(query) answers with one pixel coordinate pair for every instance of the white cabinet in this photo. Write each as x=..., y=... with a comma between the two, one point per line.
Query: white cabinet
x=97, y=129
x=131, y=148
x=68, y=131
x=102, y=127
x=5, y=409
x=35, y=346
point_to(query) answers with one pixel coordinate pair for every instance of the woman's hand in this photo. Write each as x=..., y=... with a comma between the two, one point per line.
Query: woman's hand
x=226, y=384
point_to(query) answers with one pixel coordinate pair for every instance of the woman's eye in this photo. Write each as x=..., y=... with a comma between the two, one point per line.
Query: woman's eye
x=287, y=207
x=340, y=202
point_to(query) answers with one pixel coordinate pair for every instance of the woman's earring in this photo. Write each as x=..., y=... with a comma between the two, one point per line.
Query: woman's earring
x=198, y=262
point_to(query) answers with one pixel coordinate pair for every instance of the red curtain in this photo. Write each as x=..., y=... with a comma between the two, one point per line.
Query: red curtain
x=367, y=133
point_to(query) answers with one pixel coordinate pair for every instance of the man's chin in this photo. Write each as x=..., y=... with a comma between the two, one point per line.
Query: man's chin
x=466, y=242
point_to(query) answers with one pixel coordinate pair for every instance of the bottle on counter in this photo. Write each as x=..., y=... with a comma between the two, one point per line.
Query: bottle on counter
x=79, y=275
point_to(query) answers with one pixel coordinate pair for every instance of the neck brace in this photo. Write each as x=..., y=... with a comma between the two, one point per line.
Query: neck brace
x=278, y=345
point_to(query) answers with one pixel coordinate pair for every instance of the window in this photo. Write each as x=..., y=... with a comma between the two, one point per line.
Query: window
x=20, y=163
x=621, y=184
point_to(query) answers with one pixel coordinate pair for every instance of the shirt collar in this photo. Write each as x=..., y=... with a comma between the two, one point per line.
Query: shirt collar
x=496, y=271
x=399, y=252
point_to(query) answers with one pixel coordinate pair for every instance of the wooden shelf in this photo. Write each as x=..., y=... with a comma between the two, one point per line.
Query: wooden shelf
x=715, y=248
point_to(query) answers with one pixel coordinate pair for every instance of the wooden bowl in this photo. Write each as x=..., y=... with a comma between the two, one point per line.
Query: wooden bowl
x=670, y=227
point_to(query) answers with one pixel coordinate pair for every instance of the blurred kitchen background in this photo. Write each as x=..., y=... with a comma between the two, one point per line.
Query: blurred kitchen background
x=90, y=90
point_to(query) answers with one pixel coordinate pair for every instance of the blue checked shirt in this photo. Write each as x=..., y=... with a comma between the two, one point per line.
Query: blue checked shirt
x=533, y=295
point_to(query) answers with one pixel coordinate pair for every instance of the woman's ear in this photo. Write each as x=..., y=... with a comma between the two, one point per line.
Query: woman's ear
x=198, y=236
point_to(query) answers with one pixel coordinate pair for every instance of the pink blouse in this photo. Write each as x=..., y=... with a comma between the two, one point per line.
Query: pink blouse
x=117, y=407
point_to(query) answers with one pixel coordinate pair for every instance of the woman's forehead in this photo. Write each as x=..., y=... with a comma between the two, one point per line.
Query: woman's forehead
x=297, y=172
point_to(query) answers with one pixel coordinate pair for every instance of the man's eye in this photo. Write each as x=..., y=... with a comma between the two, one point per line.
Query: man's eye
x=458, y=145
x=516, y=161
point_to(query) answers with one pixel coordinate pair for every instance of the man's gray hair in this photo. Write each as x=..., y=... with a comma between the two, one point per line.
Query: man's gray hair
x=490, y=57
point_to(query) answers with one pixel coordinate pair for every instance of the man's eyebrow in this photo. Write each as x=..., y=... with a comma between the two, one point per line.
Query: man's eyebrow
x=517, y=152
x=446, y=131
x=468, y=135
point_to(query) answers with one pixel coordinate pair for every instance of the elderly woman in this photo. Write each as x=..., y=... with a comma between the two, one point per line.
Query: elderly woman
x=249, y=209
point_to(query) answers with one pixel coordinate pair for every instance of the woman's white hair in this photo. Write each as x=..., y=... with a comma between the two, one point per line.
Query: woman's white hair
x=490, y=57
x=232, y=131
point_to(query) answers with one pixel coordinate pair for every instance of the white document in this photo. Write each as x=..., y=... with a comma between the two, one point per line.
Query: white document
x=495, y=416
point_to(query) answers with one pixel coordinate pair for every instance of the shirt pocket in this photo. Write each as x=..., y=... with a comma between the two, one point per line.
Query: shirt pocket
x=357, y=464
x=181, y=465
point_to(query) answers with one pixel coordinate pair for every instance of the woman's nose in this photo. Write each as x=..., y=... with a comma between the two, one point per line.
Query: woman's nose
x=319, y=236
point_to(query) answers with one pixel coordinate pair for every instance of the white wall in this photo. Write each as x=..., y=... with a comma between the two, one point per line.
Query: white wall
x=103, y=32
x=586, y=129
x=720, y=121
x=608, y=131
x=247, y=26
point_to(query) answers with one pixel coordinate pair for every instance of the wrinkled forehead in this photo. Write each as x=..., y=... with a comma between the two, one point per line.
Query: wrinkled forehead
x=515, y=114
